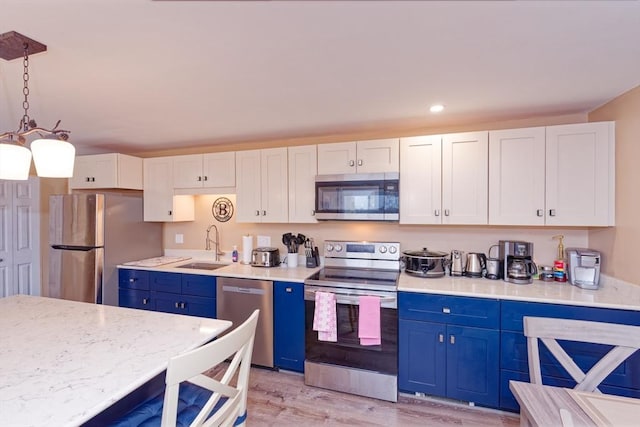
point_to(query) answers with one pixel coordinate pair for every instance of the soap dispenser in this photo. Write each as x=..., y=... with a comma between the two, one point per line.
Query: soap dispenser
x=559, y=265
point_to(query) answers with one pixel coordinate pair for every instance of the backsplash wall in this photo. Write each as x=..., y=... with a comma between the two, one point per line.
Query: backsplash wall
x=411, y=237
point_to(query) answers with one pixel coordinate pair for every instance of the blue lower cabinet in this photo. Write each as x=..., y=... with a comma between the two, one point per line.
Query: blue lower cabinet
x=289, y=325
x=448, y=358
x=422, y=357
x=623, y=381
x=132, y=298
x=189, y=294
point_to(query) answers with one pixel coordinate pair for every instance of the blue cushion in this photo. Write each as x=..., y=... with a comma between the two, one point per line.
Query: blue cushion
x=149, y=413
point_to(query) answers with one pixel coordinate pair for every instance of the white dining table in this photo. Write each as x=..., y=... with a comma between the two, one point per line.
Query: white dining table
x=63, y=362
x=547, y=406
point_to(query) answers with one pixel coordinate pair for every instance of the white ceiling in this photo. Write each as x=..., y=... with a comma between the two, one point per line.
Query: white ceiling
x=137, y=75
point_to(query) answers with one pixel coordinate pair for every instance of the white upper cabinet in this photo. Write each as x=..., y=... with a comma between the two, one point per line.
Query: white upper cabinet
x=160, y=203
x=465, y=187
x=262, y=185
x=421, y=180
x=112, y=170
x=212, y=170
x=303, y=167
x=443, y=179
x=517, y=176
x=559, y=175
x=580, y=178
x=380, y=155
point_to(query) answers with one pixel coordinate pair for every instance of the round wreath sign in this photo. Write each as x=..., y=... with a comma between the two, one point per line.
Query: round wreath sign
x=222, y=209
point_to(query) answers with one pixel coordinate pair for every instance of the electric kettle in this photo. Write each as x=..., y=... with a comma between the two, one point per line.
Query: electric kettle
x=476, y=264
x=457, y=263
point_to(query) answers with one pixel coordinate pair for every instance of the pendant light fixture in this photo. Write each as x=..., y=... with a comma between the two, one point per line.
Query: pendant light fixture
x=52, y=154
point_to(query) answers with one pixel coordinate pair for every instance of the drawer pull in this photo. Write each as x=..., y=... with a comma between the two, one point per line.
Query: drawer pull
x=145, y=301
x=133, y=279
x=288, y=290
x=446, y=310
x=452, y=339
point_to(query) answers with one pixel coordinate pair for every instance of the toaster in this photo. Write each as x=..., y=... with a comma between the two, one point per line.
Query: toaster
x=265, y=257
x=583, y=267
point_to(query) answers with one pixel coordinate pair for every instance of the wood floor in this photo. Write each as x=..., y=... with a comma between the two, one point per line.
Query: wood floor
x=282, y=399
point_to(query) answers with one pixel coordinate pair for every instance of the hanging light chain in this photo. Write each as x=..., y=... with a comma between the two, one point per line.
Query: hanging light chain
x=25, y=89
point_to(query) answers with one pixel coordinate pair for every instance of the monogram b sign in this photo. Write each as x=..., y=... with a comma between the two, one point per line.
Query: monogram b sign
x=222, y=209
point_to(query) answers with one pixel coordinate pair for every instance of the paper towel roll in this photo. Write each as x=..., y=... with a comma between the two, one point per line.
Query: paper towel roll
x=247, y=248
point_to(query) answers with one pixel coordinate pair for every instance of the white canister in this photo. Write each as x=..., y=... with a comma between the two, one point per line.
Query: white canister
x=292, y=260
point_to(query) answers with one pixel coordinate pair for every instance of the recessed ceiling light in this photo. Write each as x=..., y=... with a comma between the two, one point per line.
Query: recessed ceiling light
x=436, y=108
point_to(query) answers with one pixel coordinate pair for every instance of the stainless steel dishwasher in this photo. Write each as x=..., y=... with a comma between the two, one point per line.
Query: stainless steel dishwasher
x=236, y=299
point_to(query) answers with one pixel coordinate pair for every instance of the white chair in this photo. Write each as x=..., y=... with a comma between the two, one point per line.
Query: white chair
x=209, y=402
x=625, y=340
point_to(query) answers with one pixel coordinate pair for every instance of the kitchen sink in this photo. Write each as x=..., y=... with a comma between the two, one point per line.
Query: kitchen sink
x=202, y=266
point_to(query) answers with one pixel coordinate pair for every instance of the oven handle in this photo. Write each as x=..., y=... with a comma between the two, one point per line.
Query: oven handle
x=351, y=299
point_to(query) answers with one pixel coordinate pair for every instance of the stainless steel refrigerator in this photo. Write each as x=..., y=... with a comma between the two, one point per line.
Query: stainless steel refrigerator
x=89, y=235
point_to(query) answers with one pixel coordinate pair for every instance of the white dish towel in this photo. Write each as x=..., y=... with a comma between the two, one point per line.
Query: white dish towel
x=324, y=317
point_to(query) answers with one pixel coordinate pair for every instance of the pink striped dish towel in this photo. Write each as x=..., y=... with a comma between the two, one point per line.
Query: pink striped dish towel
x=369, y=320
x=324, y=317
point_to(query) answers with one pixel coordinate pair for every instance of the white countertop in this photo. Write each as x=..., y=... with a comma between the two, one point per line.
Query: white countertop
x=63, y=362
x=611, y=294
x=236, y=269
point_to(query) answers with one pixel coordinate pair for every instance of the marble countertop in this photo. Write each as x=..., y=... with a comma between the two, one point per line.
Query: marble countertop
x=282, y=273
x=63, y=362
x=611, y=294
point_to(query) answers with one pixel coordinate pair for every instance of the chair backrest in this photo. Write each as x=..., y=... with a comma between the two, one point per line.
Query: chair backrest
x=192, y=365
x=625, y=340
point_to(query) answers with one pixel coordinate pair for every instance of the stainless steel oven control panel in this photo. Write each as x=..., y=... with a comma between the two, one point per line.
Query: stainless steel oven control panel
x=362, y=250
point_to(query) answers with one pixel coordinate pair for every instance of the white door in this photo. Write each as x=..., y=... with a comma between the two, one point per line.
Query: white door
x=187, y=171
x=20, y=237
x=420, y=180
x=465, y=180
x=380, y=155
x=248, y=187
x=303, y=166
x=517, y=176
x=158, y=189
x=580, y=174
x=275, y=192
x=219, y=169
x=337, y=158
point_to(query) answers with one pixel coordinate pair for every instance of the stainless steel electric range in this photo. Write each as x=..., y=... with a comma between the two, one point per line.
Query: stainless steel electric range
x=351, y=270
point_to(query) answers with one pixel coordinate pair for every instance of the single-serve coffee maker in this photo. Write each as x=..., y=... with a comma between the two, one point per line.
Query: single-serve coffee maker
x=516, y=261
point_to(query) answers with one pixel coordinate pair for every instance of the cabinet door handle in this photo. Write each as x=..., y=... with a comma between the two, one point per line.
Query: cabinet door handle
x=170, y=213
x=145, y=301
x=552, y=212
x=257, y=213
x=88, y=179
x=177, y=304
x=446, y=310
x=183, y=305
x=446, y=212
x=539, y=212
x=440, y=337
x=452, y=339
x=205, y=178
x=352, y=163
x=133, y=279
x=199, y=178
x=360, y=162
x=264, y=213
x=313, y=213
x=436, y=212
x=93, y=179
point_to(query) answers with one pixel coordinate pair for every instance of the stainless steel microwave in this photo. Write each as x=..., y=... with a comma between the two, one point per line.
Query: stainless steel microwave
x=360, y=197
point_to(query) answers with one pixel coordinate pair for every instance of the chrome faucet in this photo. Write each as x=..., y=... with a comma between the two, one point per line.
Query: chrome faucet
x=208, y=241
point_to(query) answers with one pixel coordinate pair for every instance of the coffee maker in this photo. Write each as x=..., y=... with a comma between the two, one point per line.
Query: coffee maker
x=516, y=261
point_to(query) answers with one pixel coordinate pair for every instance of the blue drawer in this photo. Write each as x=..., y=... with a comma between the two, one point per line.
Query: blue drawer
x=199, y=285
x=513, y=311
x=133, y=279
x=463, y=311
x=165, y=282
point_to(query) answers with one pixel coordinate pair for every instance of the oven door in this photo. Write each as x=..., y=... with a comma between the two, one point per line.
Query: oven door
x=347, y=351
